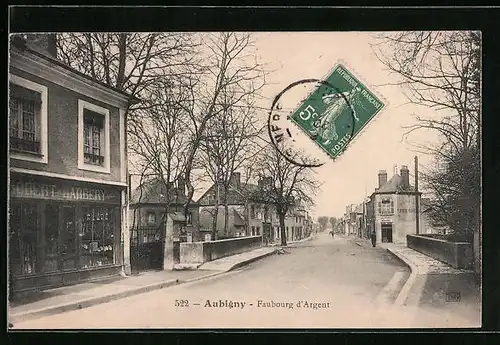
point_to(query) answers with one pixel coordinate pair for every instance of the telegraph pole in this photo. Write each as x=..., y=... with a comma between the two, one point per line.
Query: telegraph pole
x=417, y=199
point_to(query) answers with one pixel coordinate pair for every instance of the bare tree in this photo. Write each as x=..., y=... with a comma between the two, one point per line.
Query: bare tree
x=160, y=141
x=333, y=222
x=441, y=70
x=229, y=64
x=323, y=222
x=231, y=141
x=127, y=61
x=285, y=184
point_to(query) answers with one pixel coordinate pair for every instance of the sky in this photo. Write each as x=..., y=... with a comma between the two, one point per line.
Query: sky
x=293, y=56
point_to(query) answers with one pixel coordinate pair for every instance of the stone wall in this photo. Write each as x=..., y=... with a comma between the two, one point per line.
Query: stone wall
x=455, y=254
x=199, y=252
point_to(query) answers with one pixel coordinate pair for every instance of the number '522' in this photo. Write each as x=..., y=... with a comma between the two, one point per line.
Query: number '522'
x=181, y=303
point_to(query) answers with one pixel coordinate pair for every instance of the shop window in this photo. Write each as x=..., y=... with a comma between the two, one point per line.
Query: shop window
x=96, y=237
x=51, y=260
x=94, y=137
x=27, y=120
x=23, y=241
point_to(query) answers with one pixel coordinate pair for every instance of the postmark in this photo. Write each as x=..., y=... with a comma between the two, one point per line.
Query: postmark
x=331, y=116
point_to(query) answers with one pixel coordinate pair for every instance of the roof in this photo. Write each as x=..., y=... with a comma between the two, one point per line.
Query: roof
x=58, y=62
x=394, y=185
x=152, y=193
x=237, y=195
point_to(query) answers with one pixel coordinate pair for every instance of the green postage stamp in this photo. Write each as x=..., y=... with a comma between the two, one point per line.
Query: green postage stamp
x=330, y=112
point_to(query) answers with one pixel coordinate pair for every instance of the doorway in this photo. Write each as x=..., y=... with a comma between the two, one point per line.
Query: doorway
x=387, y=233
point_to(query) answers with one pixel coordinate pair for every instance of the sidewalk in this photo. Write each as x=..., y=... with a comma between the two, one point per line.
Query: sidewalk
x=55, y=301
x=292, y=243
x=435, y=288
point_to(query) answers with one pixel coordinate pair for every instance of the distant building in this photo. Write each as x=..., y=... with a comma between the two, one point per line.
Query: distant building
x=147, y=209
x=391, y=210
x=247, y=216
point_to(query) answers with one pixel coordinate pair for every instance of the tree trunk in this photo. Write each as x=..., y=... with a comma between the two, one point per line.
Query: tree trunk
x=215, y=213
x=226, y=214
x=282, y=229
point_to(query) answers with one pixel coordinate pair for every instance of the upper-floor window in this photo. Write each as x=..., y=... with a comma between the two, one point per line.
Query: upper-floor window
x=252, y=212
x=189, y=219
x=28, y=120
x=151, y=217
x=93, y=137
x=386, y=207
x=93, y=130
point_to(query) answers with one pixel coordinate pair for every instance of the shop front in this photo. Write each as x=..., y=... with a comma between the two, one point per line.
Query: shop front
x=62, y=232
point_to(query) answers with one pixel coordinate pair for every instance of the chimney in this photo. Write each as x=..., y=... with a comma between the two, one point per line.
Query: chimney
x=181, y=186
x=236, y=179
x=405, y=177
x=382, y=178
x=43, y=43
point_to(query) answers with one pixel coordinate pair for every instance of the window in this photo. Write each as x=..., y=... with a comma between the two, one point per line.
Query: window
x=252, y=212
x=93, y=127
x=151, y=218
x=28, y=120
x=189, y=220
x=386, y=207
x=94, y=138
x=259, y=215
x=97, y=237
x=23, y=238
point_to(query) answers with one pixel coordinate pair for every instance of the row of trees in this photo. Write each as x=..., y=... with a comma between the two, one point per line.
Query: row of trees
x=441, y=70
x=324, y=221
x=197, y=119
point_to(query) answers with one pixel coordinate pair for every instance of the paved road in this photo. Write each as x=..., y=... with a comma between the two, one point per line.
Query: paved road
x=337, y=283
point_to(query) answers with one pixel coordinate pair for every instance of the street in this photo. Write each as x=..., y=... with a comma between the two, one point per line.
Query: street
x=337, y=283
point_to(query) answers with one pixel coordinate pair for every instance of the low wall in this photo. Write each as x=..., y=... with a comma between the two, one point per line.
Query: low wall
x=199, y=252
x=455, y=254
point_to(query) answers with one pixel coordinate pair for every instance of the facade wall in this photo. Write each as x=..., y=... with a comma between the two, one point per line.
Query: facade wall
x=206, y=219
x=403, y=220
x=62, y=125
x=67, y=225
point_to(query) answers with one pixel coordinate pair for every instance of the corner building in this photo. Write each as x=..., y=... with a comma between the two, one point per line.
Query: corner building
x=67, y=173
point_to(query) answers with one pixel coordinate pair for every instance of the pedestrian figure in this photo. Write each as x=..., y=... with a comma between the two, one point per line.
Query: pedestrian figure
x=373, y=237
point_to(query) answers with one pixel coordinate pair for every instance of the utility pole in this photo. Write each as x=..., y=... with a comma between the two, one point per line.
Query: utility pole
x=417, y=199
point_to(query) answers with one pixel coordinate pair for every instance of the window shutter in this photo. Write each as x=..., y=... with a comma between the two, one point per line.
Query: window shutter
x=24, y=93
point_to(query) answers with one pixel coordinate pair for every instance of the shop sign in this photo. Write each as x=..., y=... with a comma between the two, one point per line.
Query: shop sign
x=65, y=191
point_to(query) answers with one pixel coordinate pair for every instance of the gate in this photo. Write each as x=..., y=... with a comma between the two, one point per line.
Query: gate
x=146, y=248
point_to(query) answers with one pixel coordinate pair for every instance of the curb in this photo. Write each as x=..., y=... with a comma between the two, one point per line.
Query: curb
x=58, y=309
x=62, y=308
x=403, y=294
x=246, y=262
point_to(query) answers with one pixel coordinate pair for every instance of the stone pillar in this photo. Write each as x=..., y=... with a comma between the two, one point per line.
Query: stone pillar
x=125, y=235
x=168, y=253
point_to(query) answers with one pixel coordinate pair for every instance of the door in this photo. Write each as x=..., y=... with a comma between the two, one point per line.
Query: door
x=386, y=233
